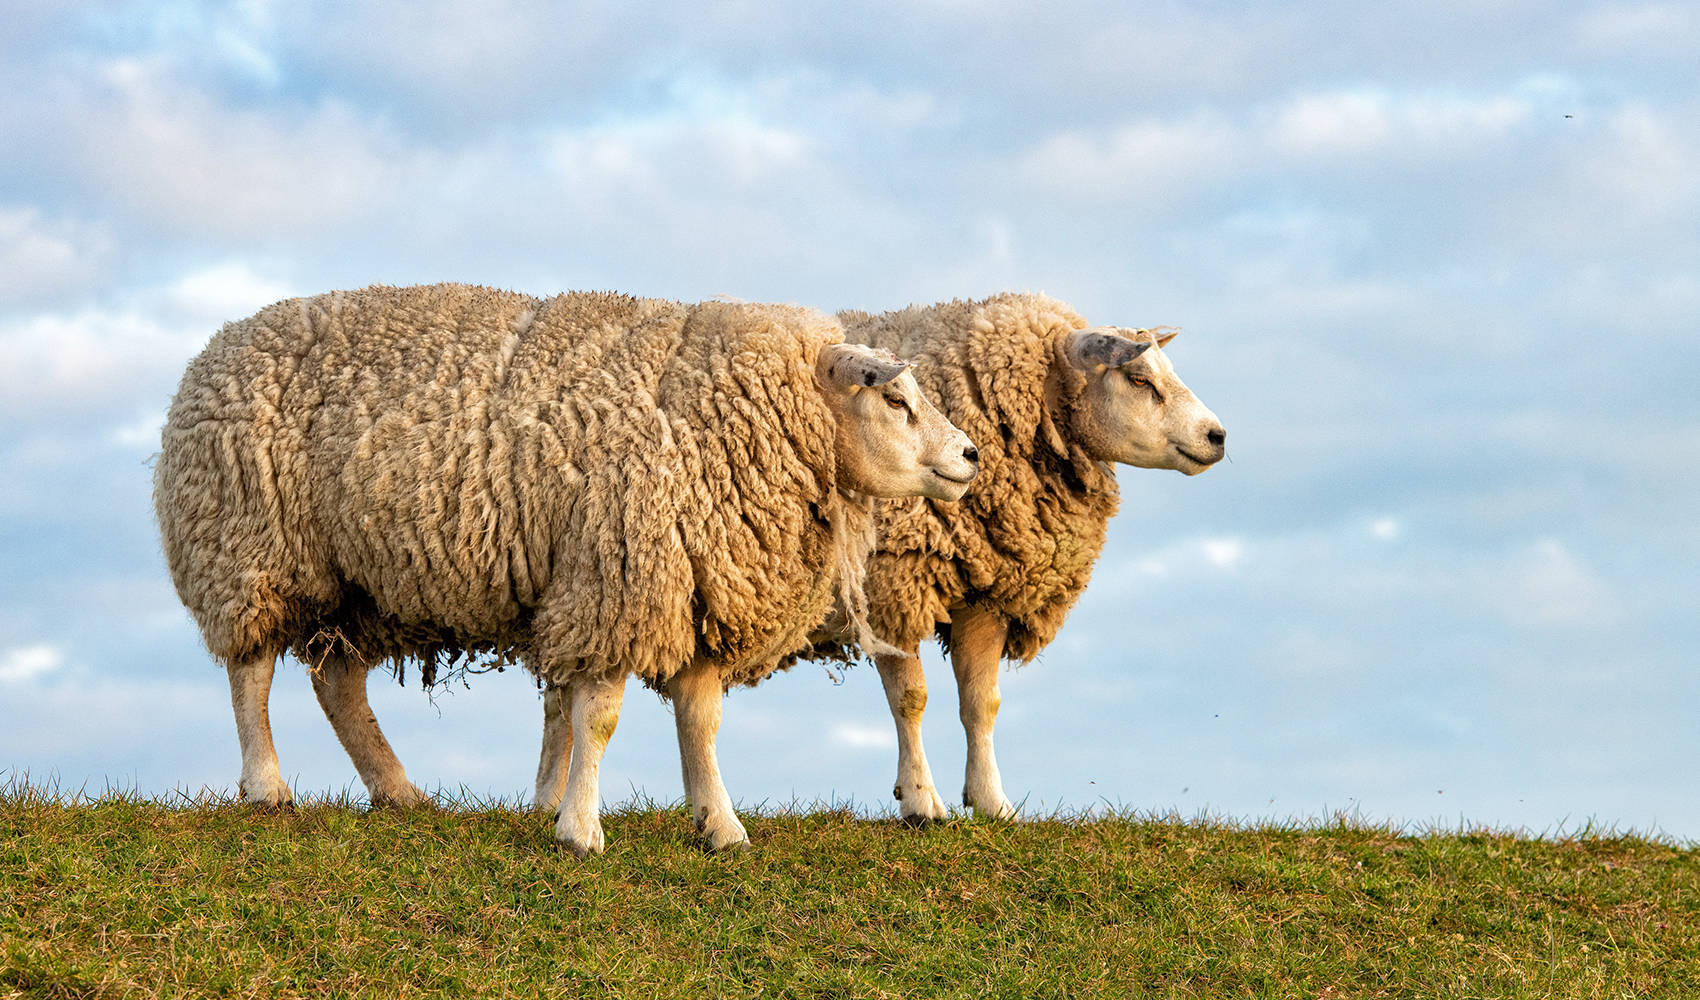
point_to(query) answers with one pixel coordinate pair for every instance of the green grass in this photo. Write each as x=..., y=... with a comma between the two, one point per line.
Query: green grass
x=121, y=896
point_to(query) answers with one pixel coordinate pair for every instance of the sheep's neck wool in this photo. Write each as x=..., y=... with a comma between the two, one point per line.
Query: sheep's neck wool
x=1025, y=538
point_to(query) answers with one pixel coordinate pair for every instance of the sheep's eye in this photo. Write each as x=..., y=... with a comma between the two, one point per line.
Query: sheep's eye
x=1141, y=382
x=896, y=402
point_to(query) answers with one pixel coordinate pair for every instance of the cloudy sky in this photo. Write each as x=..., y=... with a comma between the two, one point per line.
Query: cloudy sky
x=1437, y=266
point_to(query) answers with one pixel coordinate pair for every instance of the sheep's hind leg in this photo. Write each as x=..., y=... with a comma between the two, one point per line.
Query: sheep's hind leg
x=595, y=713
x=340, y=684
x=250, y=689
x=556, y=753
x=976, y=647
x=696, y=694
x=906, y=692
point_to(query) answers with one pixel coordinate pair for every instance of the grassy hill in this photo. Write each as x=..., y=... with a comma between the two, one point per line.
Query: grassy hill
x=127, y=897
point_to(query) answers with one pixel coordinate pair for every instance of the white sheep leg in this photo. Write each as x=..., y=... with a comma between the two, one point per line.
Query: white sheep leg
x=595, y=713
x=906, y=692
x=976, y=648
x=340, y=685
x=553, y=759
x=250, y=691
x=696, y=695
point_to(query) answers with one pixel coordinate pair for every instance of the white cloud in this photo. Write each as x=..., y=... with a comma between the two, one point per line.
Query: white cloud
x=39, y=258
x=98, y=358
x=225, y=292
x=1386, y=528
x=1650, y=165
x=1306, y=654
x=864, y=737
x=1184, y=556
x=185, y=161
x=865, y=107
x=1153, y=160
x=240, y=39
x=1333, y=122
x=1351, y=122
x=730, y=203
x=990, y=262
x=143, y=432
x=1547, y=586
x=89, y=356
x=26, y=662
x=1641, y=29
x=665, y=159
x=1613, y=196
x=1223, y=553
x=56, y=721
x=1140, y=161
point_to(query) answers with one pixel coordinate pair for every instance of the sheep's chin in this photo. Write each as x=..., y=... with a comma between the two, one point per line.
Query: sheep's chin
x=1189, y=465
x=942, y=487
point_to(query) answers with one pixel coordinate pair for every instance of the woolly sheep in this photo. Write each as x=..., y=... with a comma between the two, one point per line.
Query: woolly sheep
x=593, y=485
x=1052, y=404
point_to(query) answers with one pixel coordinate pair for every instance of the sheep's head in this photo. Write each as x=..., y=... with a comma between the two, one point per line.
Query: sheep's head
x=1134, y=409
x=891, y=441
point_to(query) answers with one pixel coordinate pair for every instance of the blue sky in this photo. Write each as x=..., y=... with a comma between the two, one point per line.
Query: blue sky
x=1437, y=266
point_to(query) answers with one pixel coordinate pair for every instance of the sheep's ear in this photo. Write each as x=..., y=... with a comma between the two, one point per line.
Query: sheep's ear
x=1103, y=347
x=1162, y=334
x=852, y=367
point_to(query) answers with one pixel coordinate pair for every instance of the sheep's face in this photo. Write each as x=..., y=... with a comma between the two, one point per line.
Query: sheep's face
x=1134, y=409
x=891, y=441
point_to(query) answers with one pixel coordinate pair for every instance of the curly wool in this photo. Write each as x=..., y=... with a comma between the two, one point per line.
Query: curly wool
x=594, y=484
x=1024, y=539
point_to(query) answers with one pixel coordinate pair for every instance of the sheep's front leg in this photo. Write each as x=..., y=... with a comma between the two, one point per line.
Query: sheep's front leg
x=557, y=749
x=340, y=684
x=595, y=713
x=696, y=695
x=976, y=647
x=906, y=692
x=250, y=691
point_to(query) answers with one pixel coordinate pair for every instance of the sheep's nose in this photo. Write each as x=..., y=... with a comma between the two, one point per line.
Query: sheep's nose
x=972, y=454
x=1217, y=437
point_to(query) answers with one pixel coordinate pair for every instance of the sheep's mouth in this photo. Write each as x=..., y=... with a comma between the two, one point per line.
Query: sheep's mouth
x=953, y=479
x=1194, y=459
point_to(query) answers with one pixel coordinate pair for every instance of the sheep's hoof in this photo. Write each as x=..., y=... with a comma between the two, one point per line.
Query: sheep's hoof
x=284, y=803
x=579, y=851
x=268, y=793
x=923, y=806
x=406, y=797
x=583, y=850
x=991, y=808
x=276, y=802
x=581, y=835
x=725, y=834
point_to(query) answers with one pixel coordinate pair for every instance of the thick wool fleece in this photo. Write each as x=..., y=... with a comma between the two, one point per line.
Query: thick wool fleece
x=593, y=483
x=1023, y=540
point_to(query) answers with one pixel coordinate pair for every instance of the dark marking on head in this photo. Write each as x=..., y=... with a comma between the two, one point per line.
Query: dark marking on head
x=863, y=367
x=1110, y=350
